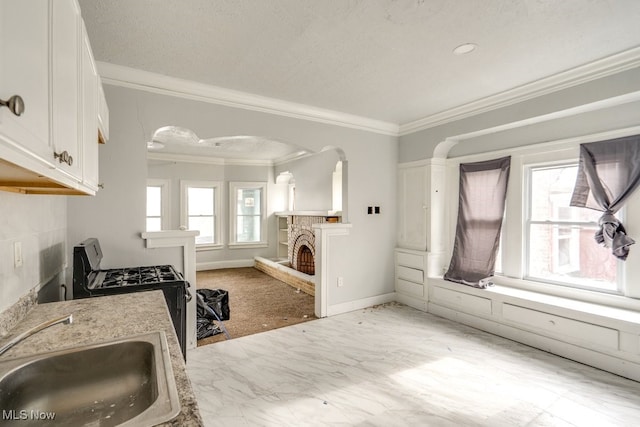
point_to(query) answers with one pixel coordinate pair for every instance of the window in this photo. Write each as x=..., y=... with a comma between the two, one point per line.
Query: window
x=560, y=244
x=248, y=213
x=201, y=210
x=157, y=205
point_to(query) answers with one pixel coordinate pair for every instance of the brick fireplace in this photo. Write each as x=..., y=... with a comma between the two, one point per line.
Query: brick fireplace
x=302, y=242
x=324, y=230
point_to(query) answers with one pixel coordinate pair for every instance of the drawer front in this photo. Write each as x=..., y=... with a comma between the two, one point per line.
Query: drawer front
x=410, y=260
x=409, y=288
x=576, y=330
x=410, y=274
x=466, y=302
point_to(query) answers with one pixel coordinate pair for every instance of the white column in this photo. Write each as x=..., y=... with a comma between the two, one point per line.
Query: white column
x=324, y=233
x=186, y=240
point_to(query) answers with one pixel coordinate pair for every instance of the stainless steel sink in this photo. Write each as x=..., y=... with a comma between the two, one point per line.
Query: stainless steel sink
x=127, y=382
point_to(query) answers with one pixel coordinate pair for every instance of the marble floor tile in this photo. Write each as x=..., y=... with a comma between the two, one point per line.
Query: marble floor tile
x=396, y=366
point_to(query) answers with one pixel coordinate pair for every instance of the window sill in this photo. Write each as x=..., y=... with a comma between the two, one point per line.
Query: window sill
x=248, y=245
x=209, y=247
x=576, y=295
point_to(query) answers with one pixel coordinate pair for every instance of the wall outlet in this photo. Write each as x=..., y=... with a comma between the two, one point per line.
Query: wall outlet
x=17, y=254
x=340, y=281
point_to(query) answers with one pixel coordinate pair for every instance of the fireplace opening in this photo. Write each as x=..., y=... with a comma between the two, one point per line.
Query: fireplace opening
x=306, y=263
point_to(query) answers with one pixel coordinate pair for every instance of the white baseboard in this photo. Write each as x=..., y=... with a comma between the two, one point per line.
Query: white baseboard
x=346, y=307
x=216, y=265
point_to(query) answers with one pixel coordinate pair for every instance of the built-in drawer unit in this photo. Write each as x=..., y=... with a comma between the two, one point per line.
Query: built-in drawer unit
x=568, y=329
x=409, y=288
x=462, y=301
x=410, y=260
x=411, y=273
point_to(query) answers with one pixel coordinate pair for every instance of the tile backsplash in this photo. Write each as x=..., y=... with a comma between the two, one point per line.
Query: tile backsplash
x=38, y=225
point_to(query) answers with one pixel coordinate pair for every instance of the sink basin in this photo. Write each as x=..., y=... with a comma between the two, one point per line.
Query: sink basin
x=126, y=382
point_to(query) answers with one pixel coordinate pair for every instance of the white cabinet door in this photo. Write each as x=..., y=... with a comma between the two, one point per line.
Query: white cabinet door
x=66, y=86
x=103, y=114
x=412, y=199
x=89, y=115
x=24, y=71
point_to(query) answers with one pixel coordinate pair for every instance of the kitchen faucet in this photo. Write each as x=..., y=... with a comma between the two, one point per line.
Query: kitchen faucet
x=65, y=320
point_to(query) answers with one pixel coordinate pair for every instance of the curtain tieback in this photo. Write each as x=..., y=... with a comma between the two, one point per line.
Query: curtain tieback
x=613, y=235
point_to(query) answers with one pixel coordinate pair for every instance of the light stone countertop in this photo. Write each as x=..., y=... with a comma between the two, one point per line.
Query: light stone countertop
x=104, y=319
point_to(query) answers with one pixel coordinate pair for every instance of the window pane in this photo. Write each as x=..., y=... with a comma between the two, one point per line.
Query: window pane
x=551, y=190
x=570, y=255
x=200, y=201
x=249, y=201
x=248, y=229
x=154, y=224
x=154, y=201
x=205, y=225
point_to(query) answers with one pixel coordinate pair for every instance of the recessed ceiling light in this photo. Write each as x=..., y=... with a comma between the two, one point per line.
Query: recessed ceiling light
x=465, y=48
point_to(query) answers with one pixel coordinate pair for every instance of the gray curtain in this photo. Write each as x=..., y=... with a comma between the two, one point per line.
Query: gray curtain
x=483, y=189
x=608, y=173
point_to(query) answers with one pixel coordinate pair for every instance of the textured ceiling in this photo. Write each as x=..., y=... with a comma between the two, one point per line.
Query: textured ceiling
x=381, y=59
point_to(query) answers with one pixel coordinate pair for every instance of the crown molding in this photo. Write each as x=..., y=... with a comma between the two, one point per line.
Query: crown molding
x=132, y=78
x=218, y=161
x=119, y=75
x=604, y=67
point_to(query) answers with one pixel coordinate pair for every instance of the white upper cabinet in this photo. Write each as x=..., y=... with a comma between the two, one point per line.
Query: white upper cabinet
x=66, y=85
x=24, y=72
x=412, y=207
x=46, y=59
x=90, y=115
x=103, y=114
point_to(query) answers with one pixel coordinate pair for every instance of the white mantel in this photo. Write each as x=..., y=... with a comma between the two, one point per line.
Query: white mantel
x=186, y=240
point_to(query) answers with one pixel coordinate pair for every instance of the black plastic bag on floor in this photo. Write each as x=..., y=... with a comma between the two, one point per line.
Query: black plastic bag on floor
x=207, y=328
x=217, y=300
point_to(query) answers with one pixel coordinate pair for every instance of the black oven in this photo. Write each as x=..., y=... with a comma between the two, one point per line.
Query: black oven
x=90, y=281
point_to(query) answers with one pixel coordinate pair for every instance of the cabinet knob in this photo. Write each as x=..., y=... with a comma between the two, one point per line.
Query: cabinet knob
x=15, y=104
x=63, y=157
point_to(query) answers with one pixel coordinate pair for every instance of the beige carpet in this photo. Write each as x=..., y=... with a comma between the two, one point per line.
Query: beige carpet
x=257, y=302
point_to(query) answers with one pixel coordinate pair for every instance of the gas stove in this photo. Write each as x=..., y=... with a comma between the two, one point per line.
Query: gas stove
x=135, y=276
x=89, y=280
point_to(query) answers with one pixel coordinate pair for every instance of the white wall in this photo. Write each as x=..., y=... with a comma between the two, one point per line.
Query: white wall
x=39, y=223
x=117, y=214
x=313, y=177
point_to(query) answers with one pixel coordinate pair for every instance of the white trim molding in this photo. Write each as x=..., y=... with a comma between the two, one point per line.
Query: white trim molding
x=132, y=78
x=118, y=75
x=604, y=67
x=218, y=161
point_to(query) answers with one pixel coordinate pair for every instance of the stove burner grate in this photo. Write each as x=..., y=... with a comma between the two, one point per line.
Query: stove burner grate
x=138, y=276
